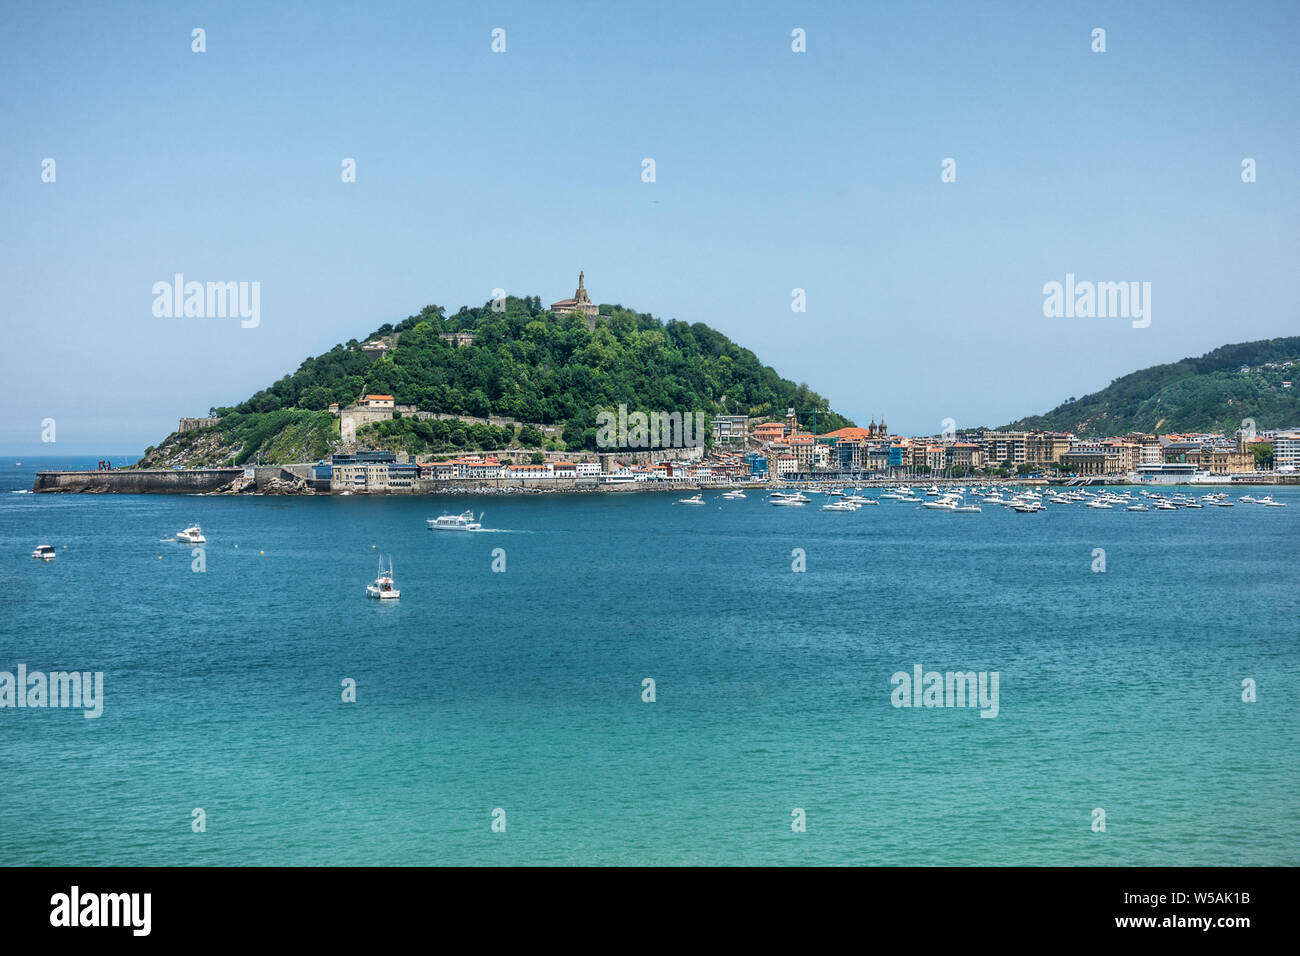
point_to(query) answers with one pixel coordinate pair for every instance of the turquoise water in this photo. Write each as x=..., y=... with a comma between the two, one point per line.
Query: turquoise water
x=522, y=690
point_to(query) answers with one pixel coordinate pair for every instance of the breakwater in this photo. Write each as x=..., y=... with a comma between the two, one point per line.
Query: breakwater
x=133, y=481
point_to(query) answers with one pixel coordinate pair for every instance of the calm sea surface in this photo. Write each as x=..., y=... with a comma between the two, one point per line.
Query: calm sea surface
x=522, y=690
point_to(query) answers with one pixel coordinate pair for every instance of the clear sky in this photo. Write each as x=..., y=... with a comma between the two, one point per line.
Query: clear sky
x=775, y=170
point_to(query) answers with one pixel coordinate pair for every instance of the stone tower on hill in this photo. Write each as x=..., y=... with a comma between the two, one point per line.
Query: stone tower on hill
x=579, y=303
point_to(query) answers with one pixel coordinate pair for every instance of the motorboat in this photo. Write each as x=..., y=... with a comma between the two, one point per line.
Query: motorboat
x=461, y=522
x=692, y=500
x=840, y=506
x=383, y=587
x=193, y=535
x=781, y=500
x=45, y=552
x=735, y=495
x=1137, y=507
x=947, y=503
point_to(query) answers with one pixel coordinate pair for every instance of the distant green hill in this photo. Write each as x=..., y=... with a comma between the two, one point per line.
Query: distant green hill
x=525, y=363
x=1207, y=394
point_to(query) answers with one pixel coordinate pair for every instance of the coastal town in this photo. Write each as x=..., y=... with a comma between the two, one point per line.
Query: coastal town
x=785, y=451
x=743, y=451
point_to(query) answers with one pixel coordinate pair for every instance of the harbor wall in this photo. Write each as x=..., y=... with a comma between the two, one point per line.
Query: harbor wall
x=136, y=481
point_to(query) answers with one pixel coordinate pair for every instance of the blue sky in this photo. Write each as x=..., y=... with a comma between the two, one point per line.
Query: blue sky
x=775, y=170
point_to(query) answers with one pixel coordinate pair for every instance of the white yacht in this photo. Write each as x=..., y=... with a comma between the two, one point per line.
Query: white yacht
x=1268, y=502
x=383, y=587
x=45, y=552
x=692, y=500
x=461, y=522
x=946, y=503
x=782, y=500
x=840, y=506
x=193, y=534
x=734, y=495
x=1137, y=507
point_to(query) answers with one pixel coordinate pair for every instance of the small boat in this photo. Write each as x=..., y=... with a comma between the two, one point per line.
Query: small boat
x=1138, y=507
x=692, y=500
x=1028, y=507
x=734, y=495
x=1268, y=502
x=45, y=552
x=965, y=509
x=781, y=500
x=943, y=504
x=1225, y=504
x=1100, y=503
x=461, y=522
x=1165, y=506
x=193, y=534
x=383, y=587
x=840, y=506
x=861, y=500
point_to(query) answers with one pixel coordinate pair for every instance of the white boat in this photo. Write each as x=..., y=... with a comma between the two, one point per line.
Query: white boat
x=1225, y=504
x=1165, y=506
x=734, y=495
x=965, y=509
x=1100, y=503
x=193, y=534
x=461, y=522
x=1137, y=508
x=692, y=500
x=943, y=504
x=45, y=552
x=840, y=506
x=1028, y=507
x=383, y=588
x=781, y=500
x=1268, y=502
x=861, y=500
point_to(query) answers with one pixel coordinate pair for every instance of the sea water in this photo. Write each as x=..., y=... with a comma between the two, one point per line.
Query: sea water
x=503, y=716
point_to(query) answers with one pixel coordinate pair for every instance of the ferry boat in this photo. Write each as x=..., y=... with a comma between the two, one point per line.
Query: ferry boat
x=692, y=500
x=461, y=522
x=383, y=587
x=193, y=534
x=45, y=552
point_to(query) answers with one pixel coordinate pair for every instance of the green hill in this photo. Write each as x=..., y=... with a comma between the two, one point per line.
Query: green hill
x=1212, y=393
x=525, y=364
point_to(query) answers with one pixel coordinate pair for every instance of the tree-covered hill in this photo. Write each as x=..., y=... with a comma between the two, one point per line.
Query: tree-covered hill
x=1213, y=393
x=527, y=364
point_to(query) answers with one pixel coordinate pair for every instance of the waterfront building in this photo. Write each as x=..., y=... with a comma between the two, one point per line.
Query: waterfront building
x=587, y=469
x=376, y=401
x=729, y=429
x=963, y=454
x=771, y=432
x=1286, y=450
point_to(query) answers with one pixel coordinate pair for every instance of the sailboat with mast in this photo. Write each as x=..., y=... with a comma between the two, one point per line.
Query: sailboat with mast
x=383, y=587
